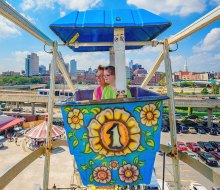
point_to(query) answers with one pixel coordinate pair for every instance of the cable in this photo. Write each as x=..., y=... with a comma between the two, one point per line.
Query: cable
x=45, y=49
x=174, y=49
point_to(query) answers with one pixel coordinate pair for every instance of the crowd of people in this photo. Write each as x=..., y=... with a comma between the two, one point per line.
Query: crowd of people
x=105, y=77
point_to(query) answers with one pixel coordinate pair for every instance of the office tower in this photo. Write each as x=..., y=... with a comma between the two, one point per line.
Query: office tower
x=131, y=64
x=32, y=65
x=73, y=66
x=42, y=69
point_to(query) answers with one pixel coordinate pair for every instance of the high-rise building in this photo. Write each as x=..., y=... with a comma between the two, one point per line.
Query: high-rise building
x=131, y=64
x=136, y=66
x=73, y=66
x=32, y=65
x=42, y=69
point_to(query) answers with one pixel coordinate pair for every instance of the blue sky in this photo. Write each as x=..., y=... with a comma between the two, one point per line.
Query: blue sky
x=201, y=50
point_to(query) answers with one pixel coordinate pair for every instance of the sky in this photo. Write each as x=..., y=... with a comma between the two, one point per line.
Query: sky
x=201, y=50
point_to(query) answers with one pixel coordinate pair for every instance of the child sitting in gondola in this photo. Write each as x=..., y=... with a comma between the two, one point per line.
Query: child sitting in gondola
x=109, y=91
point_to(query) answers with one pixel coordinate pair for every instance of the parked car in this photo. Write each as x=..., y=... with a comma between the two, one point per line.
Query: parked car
x=213, y=131
x=193, y=146
x=191, y=154
x=215, y=144
x=183, y=129
x=17, y=109
x=192, y=130
x=164, y=129
x=206, y=129
x=215, y=154
x=208, y=158
x=215, y=188
x=196, y=186
x=192, y=116
x=201, y=131
x=206, y=146
x=178, y=116
x=212, y=117
x=181, y=146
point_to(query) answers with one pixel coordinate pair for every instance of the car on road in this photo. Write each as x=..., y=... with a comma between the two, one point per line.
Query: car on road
x=193, y=146
x=181, y=146
x=208, y=158
x=215, y=154
x=196, y=186
x=206, y=146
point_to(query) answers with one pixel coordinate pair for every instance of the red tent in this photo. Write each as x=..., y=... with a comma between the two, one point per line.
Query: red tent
x=40, y=132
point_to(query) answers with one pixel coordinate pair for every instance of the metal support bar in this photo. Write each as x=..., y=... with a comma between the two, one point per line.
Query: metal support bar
x=209, y=18
x=12, y=172
x=8, y=12
x=153, y=43
x=112, y=56
x=62, y=68
x=50, y=118
x=153, y=70
x=172, y=117
x=120, y=70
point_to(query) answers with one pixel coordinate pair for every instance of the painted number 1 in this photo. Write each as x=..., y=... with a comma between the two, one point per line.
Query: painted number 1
x=115, y=137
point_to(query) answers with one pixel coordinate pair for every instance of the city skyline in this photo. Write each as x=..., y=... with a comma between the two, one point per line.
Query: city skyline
x=200, y=51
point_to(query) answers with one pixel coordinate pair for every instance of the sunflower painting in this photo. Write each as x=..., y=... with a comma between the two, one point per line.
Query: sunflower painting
x=114, y=143
x=114, y=132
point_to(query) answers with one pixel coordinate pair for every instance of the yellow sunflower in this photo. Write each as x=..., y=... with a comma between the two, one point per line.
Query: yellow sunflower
x=149, y=115
x=75, y=119
x=114, y=132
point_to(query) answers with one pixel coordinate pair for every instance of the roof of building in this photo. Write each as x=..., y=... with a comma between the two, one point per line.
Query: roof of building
x=141, y=71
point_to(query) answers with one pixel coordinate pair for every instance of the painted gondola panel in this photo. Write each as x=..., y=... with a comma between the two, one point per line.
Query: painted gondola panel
x=114, y=143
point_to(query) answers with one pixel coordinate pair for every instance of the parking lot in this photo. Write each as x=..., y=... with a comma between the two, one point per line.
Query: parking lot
x=187, y=174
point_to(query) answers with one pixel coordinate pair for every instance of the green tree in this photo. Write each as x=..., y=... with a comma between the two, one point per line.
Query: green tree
x=163, y=80
x=204, y=91
x=215, y=89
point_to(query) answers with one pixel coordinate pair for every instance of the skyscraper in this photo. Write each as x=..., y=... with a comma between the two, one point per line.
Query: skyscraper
x=73, y=66
x=131, y=64
x=32, y=65
x=42, y=69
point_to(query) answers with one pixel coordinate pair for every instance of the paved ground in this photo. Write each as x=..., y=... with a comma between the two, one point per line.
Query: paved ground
x=61, y=165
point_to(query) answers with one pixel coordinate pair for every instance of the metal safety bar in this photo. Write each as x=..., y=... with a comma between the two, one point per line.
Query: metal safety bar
x=152, y=43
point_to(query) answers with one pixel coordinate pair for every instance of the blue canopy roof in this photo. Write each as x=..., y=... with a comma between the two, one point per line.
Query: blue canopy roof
x=98, y=26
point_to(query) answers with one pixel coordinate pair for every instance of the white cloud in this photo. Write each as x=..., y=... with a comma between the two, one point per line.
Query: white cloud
x=50, y=4
x=8, y=28
x=19, y=57
x=62, y=13
x=86, y=60
x=210, y=42
x=79, y=5
x=172, y=7
x=31, y=4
